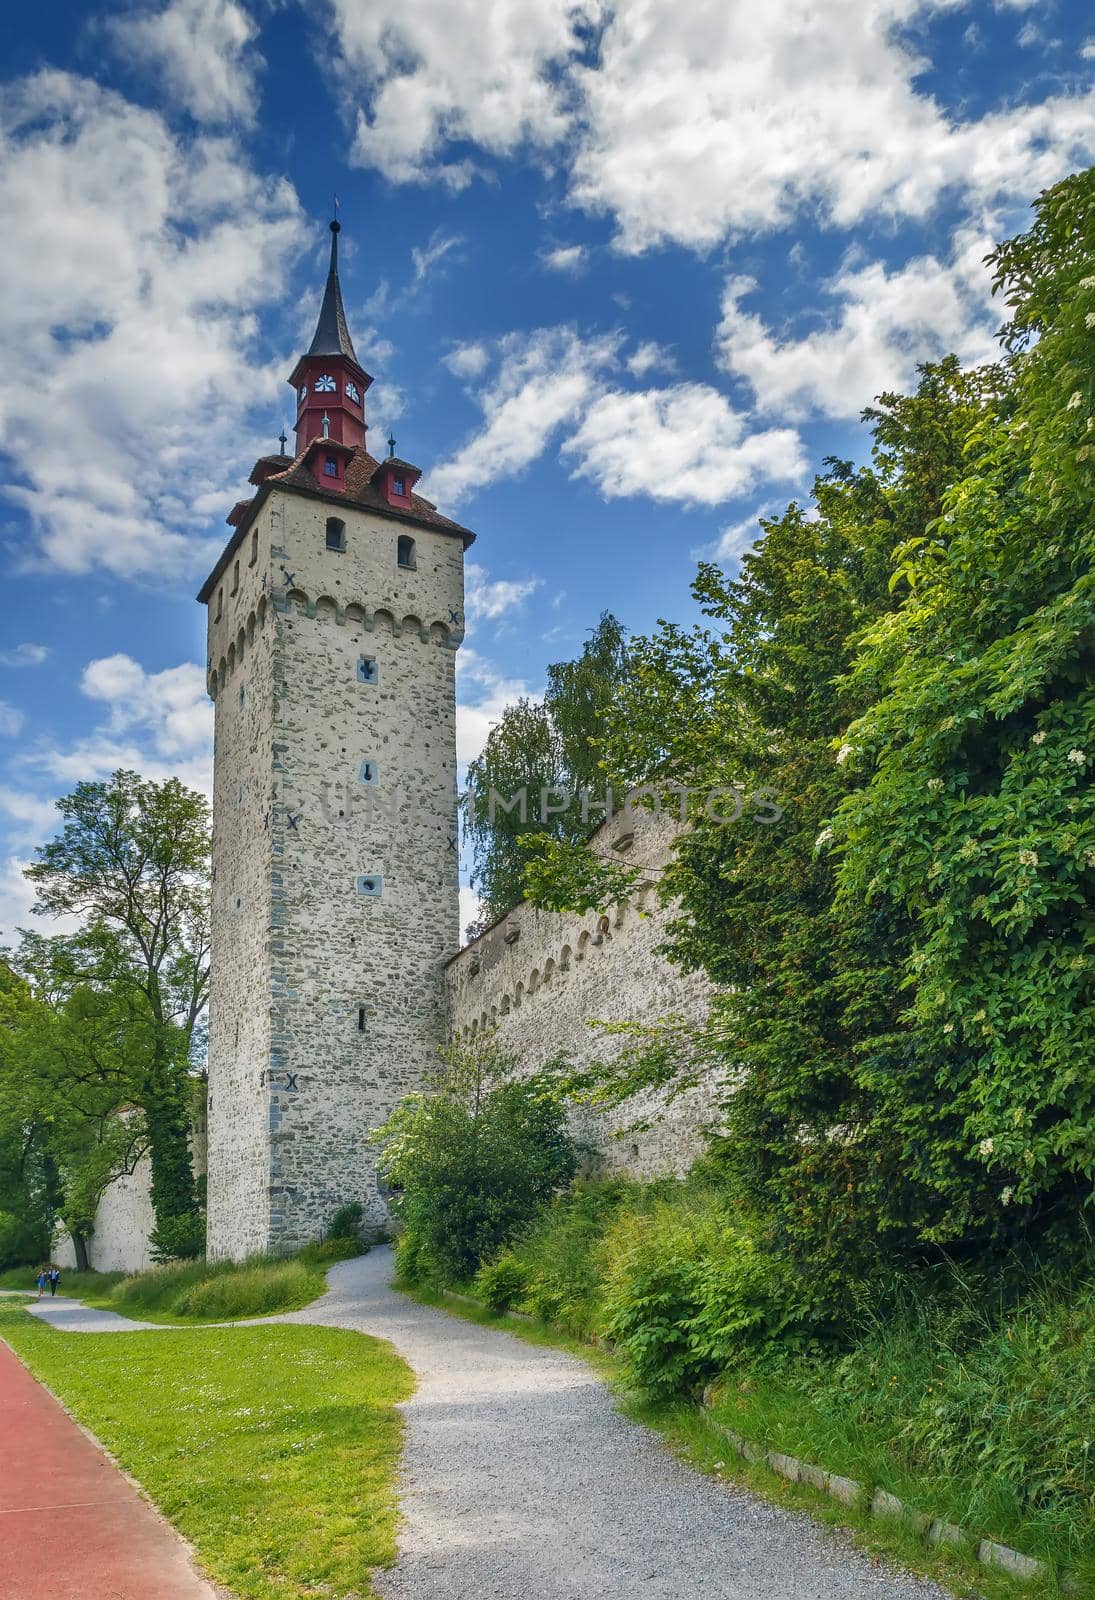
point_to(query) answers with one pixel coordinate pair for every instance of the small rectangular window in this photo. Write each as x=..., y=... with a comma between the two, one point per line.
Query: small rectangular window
x=235, y=577
x=368, y=671
x=399, y=486
x=220, y=604
x=361, y=1019
x=336, y=534
x=330, y=467
x=370, y=885
x=254, y=547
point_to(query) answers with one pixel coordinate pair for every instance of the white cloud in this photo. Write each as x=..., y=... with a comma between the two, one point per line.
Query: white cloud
x=466, y=71
x=486, y=599
x=171, y=706
x=1087, y=50
x=722, y=118
x=694, y=123
x=565, y=258
x=31, y=820
x=544, y=379
x=11, y=720
x=467, y=360
x=482, y=694
x=134, y=264
x=471, y=907
x=734, y=541
x=884, y=323
x=426, y=257
x=24, y=655
x=684, y=443
x=200, y=50
x=650, y=357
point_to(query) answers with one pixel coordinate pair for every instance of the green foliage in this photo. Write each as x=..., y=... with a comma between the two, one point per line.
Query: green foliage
x=553, y=744
x=965, y=1402
x=470, y=1160
x=273, y=1450
x=692, y=1287
x=346, y=1222
x=907, y=955
x=107, y=1018
x=502, y=1282
x=23, y=1238
x=974, y=818
x=178, y=1238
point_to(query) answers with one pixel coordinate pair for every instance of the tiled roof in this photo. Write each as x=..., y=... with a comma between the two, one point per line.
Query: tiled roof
x=359, y=491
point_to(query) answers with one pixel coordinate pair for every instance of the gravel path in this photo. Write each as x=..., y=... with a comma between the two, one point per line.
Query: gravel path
x=519, y=1479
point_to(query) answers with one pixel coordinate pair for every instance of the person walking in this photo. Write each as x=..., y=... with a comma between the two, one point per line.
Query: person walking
x=43, y=1279
x=54, y=1279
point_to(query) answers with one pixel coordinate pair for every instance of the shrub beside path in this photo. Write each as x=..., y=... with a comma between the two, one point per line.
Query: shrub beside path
x=520, y=1478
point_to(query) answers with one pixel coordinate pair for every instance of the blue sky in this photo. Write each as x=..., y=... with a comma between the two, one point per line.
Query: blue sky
x=623, y=278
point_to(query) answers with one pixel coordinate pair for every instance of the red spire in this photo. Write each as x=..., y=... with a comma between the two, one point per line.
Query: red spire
x=330, y=381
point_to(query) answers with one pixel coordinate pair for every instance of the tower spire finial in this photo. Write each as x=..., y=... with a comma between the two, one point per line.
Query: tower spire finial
x=336, y=229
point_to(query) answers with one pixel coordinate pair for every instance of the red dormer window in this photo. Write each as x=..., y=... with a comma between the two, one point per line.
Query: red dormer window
x=330, y=467
x=399, y=487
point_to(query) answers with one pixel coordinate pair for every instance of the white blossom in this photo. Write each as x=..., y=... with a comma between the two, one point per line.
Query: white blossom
x=1028, y=858
x=843, y=753
x=986, y=1147
x=1075, y=400
x=935, y=784
x=1007, y=1195
x=822, y=839
x=1039, y=737
x=1078, y=758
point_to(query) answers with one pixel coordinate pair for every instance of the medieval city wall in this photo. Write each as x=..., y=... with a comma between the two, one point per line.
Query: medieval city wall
x=123, y=1222
x=539, y=979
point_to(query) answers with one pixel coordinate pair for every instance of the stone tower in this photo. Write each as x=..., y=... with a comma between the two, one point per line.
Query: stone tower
x=334, y=617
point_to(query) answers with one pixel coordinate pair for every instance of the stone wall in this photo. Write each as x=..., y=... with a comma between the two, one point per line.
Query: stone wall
x=538, y=979
x=336, y=891
x=123, y=1222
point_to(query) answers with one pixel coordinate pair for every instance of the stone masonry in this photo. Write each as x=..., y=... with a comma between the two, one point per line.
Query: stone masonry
x=539, y=980
x=335, y=897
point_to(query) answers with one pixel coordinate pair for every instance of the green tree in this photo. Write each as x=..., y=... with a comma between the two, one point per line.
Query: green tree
x=973, y=818
x=132, y=862
x=63, y=1078
x=807, y=1035
x=552, y=745
x=471, y=1159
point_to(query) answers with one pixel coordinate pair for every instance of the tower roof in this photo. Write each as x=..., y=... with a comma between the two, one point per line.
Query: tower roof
x=332, y=336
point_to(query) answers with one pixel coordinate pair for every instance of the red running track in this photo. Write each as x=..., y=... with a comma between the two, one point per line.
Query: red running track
x=72, y=1527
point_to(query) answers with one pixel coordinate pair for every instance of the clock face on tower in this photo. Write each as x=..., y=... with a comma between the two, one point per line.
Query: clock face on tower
x=326, y=384
x=351, y=390
x=303, y=393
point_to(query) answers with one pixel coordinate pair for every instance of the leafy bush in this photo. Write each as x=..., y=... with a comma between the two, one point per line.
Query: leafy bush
x=23, y=1239
x=346, y=1222
x=471, y=1161
x=180, y=1238
x=691, y=1289
x=502, y=1282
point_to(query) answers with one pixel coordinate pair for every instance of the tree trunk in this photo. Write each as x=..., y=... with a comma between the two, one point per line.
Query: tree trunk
x=79, y=1244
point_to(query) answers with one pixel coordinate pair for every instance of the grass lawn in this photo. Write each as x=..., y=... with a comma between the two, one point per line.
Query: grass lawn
x=273, y=1449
